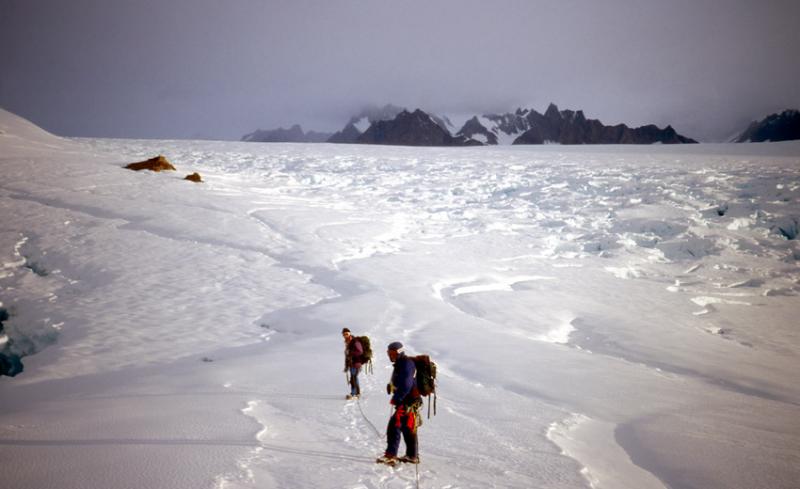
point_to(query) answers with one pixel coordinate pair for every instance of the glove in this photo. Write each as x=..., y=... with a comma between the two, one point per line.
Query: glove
x=391, y=401
x=389, y=389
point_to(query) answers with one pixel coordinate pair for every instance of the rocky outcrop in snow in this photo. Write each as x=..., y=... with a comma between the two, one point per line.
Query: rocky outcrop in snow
x=194, y=177
x=158, y=163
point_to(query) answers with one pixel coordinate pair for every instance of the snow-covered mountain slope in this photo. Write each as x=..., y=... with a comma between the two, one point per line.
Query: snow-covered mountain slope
x=501, y=129
x=20, y=135
x=496, y=129
x=607, y=317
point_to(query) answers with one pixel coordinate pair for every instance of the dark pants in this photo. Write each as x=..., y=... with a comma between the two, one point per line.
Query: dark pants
x=355, y=389
x=402, y=422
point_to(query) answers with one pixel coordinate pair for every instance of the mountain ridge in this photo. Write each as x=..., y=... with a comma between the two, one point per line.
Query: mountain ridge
x=391, y=124
x=294, y=134
x=527, y=126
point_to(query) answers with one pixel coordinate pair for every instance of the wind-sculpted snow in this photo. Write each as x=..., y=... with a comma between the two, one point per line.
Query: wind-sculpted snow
x=607, y=317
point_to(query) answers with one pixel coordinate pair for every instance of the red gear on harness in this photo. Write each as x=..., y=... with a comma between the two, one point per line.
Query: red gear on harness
x=410, y=420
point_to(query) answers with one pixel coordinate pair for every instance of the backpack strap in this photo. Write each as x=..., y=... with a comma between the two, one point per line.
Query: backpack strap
x=429, y=404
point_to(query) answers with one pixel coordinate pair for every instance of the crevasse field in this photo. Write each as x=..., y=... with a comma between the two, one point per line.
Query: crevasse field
x=605, y=317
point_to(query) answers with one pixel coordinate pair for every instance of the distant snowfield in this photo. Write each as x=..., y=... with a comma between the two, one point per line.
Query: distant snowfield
x=606, y=317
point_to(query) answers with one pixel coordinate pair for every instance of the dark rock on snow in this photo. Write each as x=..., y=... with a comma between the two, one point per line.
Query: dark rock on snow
x=159, y=163
x=194, y=177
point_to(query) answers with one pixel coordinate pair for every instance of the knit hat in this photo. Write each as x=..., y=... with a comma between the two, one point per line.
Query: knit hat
x=396, y=346
x=345, y=330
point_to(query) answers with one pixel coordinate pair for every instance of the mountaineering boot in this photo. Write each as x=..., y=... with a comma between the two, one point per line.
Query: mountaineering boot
x=389, y=460
x=409, y=460
x=350, y=397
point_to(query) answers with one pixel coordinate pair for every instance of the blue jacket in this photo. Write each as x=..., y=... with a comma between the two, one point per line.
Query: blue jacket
x=404, y=380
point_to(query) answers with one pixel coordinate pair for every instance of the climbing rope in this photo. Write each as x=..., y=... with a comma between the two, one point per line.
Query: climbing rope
x=377, y=433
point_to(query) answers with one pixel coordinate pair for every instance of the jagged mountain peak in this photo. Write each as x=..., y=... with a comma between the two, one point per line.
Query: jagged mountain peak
x=552, y=111
x=417, y=128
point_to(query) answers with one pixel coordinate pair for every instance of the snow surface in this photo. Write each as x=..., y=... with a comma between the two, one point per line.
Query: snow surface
x=604, y=317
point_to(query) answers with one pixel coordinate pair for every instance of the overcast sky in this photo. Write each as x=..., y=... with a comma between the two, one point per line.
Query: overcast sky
x=223, y=68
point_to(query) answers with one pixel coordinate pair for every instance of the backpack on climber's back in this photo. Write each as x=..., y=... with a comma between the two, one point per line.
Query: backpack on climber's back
x=366, y=357
x=426, y=379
